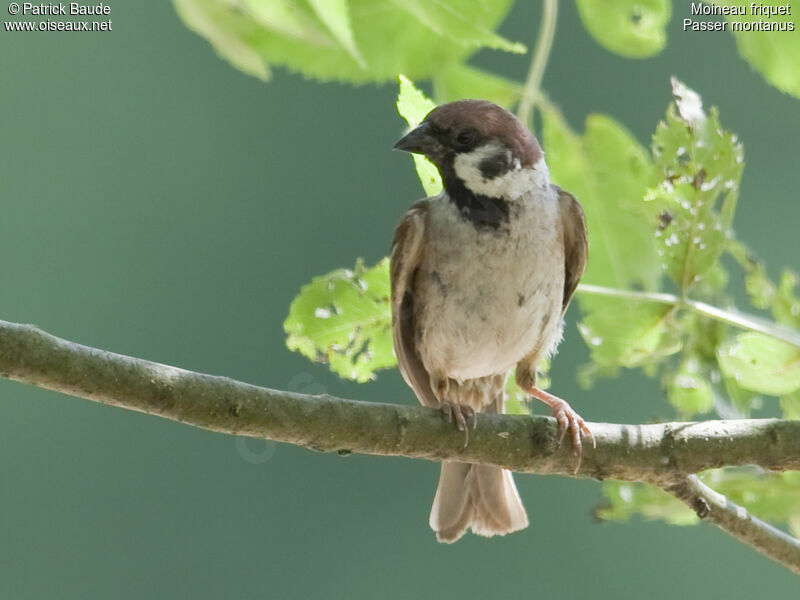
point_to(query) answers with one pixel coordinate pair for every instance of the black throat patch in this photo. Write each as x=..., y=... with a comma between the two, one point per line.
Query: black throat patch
x=482, y=211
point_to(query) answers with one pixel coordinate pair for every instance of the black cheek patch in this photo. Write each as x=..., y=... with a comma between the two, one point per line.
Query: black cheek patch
x=492, y=166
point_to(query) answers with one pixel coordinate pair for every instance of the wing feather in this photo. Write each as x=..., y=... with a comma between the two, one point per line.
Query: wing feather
x=576, y=243
x=407, y=247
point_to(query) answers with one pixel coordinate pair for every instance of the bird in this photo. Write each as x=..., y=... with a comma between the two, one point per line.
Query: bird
x=481, y=276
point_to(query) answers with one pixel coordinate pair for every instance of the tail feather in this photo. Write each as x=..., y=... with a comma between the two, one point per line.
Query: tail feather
x=479, y=497
x=452, y=506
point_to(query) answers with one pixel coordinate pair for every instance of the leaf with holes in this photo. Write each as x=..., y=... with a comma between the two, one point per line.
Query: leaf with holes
x=700, y=167
x=344, y=319
x=630, y=28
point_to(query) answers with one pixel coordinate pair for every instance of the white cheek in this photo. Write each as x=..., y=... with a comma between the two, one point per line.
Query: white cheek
x=512, y=184
x=468, y=169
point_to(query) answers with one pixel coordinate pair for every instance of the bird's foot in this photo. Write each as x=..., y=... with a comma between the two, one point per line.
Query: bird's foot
x=462, y=415
x=568, y=421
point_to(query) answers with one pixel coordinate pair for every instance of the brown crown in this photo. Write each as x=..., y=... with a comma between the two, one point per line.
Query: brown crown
x=492, y=122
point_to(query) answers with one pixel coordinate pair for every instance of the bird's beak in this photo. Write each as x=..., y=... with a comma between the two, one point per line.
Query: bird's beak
x=418, y=141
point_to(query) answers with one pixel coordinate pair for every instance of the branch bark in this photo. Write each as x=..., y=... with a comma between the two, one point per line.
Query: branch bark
x=664, y=454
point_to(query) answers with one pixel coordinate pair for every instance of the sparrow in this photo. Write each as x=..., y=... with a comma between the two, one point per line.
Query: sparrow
x=481, y=276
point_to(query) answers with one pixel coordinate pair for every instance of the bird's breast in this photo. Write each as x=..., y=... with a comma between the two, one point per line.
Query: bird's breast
x=486, y=298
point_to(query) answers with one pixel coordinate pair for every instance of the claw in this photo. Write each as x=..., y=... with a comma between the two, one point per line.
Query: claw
x=568, y=421
x=447, y=411
x=472, y=416
x=461, y=422
x=461, y=414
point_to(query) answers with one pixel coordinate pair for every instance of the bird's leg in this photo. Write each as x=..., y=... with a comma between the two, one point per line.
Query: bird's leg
x=568, y=420
x=461, y=414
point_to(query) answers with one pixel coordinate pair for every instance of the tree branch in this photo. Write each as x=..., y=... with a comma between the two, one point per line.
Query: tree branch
x=659, y=453
x=526, y=444
x=737, y=522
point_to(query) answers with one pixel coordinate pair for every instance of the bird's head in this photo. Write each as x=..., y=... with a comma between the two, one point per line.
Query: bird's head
x=478, y=145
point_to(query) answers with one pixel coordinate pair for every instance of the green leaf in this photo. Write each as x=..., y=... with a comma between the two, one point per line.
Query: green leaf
x=758, y=285
x=780, y=298
x=287, y=17
x=626, y=333
x=456, y=21
x=347, y=40
x=743, y=401
x=228, y=31
x=624, y=499
x=688, y=389
x=630, y=28
x=464, y=81
x=770, y=496
x=344, y=318
x=700, y=166
x=609, y=172
x=761, y=363
x=413, y=106
x=518, y=400
x=787, y=306
x=790, y=406
x=335, y=14
x=774, y=54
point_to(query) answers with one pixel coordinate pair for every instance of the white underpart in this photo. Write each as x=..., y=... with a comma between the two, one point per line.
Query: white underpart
x=510, y=185
x=497, y=295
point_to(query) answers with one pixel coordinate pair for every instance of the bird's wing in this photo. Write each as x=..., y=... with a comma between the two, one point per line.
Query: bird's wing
x=409, y=239
x=576, y=242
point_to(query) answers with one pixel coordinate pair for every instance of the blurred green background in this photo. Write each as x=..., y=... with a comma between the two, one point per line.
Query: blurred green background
x=159, y=203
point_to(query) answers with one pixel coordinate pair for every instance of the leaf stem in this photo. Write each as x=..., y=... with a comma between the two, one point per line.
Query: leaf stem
x=544, y=43
x=730, y=316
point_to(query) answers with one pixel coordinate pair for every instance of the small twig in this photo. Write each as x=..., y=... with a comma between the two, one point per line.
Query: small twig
x=532, y=91
x=730, y=316
x=737, y=522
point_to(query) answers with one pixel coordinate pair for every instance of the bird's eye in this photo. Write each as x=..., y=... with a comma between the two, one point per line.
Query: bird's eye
x=466, y=138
